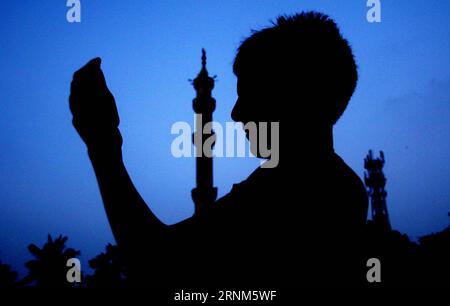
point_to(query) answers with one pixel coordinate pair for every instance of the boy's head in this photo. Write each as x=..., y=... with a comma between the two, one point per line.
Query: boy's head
x=300, y=68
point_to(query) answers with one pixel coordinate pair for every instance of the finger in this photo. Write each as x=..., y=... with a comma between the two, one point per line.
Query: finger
x=94, y=63
x=88, y=69
x=90, y=74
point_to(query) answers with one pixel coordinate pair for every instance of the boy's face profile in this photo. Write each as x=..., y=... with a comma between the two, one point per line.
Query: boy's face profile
x=255, y=106
x=241, y=110
x=257, y=99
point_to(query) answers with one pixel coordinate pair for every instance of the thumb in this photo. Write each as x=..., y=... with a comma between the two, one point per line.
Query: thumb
x=92, y=65
x=95, y=62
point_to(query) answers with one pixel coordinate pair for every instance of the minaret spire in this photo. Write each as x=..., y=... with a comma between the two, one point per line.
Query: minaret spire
x=204, y=194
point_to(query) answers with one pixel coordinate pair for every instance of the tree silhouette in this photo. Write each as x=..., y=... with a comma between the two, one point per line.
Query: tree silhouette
x=109, y=269
x=7, y=276
x=49, y=268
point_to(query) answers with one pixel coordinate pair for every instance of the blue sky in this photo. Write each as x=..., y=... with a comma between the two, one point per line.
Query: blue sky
x=150, y=49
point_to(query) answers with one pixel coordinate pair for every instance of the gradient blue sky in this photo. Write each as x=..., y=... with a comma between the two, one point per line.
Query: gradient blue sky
x=149, y=50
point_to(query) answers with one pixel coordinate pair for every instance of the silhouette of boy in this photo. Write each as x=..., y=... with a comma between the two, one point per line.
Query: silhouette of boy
x=295, y=224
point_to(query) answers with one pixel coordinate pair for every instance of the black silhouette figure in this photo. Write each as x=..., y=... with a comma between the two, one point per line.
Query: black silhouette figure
x=296, y=224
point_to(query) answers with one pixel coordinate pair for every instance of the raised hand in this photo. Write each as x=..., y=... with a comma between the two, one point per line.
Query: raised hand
x=94, y=109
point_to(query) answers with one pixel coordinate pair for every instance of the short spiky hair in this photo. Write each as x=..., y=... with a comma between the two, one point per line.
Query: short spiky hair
x=309, y=52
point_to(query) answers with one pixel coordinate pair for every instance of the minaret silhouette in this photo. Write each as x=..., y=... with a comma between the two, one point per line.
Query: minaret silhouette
x=204, y=194
x=375, y=182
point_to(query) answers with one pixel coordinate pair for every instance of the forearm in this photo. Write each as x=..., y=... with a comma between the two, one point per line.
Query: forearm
x=129, y=216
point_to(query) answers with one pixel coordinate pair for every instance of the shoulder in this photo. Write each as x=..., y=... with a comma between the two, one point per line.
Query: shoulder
x=351, y=186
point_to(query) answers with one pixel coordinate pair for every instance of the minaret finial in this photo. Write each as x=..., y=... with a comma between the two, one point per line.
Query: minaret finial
x=203, y=58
